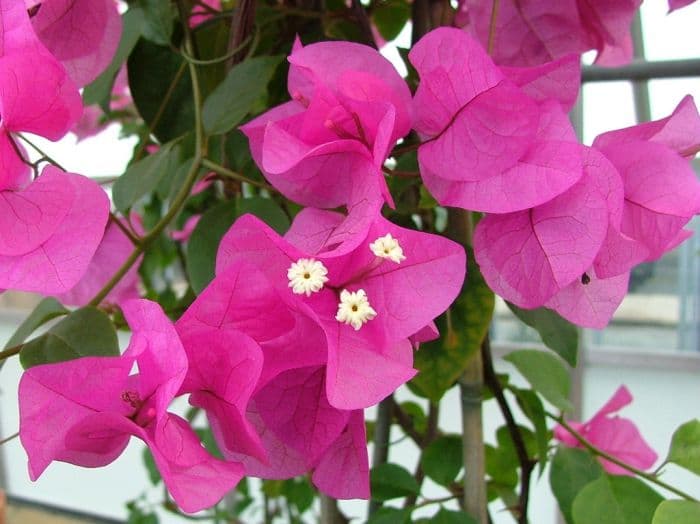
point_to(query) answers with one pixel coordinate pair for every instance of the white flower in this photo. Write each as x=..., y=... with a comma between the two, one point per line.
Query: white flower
x=307, y=276
x=388, y=247
x=354, y=308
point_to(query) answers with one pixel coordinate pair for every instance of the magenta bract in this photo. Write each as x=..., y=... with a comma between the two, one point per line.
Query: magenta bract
x=489, y=144
x=612, y=434
x=84, y=411
x=328, y=145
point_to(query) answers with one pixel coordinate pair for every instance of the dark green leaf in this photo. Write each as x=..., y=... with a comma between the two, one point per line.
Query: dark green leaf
x=265, y=209
x=100, y=90
x=442, y=459
x=462, y=328
x=570, y=471
x=390, y=17
x=390, y=516
x=158, y=20
x=557, y=333
x=446, y=516
x=545, y=373
x=501, y=466
x=677, y=512
x=416, y=414
x=45, y=310
x=685, y=446
x=299, y=493
x=161, y=88
x=85, y=332
x=143, y=177
x=615, y=500
x=390, y=481
x=236, y=96
x=204, y=242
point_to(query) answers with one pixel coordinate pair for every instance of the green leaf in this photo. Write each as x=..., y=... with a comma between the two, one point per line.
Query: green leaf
x=391, y=481
x=161, y=88
x=545, y=373
x=685, y=446
x=151, y=468
x=143, y=177
x=45, y=310
x=85, y=332
x=204, y=243
x=446, y=516
x=158, y=20
x=205, y=239
x=390, y=17
x=389, y=515
x=265, y=209
x=501, y=466
x=570, y=471
x=299, y=493
x=442, y=459
x=677, y=512
x=236, y=96
x=463, y=328
x=416, y=414
x=615, y=500
x=557, y=333
x=99, y=90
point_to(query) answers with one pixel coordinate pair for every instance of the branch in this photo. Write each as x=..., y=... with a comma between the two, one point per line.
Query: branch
x=223, y=171
x=526, y=463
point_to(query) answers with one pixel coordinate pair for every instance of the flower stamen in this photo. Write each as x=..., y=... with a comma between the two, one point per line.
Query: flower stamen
x=388, y=247
x=307, y=276
x=354, y=308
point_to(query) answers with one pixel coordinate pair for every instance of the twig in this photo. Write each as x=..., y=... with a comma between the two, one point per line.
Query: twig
x=8, y=439
x=526, y=463
x=406, y=423
x=492, y=26
x=41, y=152
x=223, y=171
x=10, y=352
x=131, y=236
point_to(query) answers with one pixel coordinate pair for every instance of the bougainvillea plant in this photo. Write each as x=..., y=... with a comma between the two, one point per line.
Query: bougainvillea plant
x=302, y=231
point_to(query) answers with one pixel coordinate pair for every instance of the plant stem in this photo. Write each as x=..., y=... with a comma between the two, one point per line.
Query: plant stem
x=382, y=430
x=8, y=439
x=131, y=236
x=526, y=464
x=182, y=195
x=10, y=352
x=492, y=26
x=223, y=171
x=38, y=150
x=602, y=454
x=330, y=514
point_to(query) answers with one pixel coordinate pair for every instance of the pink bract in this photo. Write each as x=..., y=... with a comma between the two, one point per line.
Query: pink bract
x=302, y=432
x=661, y=190
x=82, y=34
x=84, y=411
x=612, y=434
x=677, y=4
x=327, y=146
x=528, y=256
x=50, y=231
x=490, y=144
x=363, y=365
x=532, y=32
x=236, y=322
